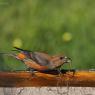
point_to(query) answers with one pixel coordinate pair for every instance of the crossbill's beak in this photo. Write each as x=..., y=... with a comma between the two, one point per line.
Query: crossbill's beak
x=67, y=59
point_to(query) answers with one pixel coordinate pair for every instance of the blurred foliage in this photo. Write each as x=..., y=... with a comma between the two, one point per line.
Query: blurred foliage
x=52, y=26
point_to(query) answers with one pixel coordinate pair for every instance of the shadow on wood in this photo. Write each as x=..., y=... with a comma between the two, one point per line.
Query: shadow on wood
x=26, y=79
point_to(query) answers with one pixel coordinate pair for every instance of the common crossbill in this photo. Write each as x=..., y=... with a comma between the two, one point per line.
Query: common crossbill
x=41, y=61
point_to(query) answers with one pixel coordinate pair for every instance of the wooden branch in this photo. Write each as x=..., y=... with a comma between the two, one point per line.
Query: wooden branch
x=27, y=79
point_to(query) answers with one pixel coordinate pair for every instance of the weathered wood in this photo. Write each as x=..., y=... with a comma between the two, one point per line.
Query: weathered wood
x=48, y=91
x=26, y=79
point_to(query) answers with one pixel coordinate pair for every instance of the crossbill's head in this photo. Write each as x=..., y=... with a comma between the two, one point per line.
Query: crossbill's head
x=59, y=60
x=65, y=59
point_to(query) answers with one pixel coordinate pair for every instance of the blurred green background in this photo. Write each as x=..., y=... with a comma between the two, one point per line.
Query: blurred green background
x=52, y=26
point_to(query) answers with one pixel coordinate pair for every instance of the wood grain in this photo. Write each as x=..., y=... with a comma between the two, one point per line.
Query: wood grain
x=27, y=79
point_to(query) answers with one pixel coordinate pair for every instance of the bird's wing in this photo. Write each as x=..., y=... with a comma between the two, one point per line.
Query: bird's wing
x=41, y=58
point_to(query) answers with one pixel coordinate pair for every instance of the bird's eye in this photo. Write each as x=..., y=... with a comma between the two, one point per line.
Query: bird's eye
x=61, y=57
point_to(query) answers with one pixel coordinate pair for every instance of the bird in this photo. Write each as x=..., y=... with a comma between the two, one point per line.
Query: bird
x=40, y=61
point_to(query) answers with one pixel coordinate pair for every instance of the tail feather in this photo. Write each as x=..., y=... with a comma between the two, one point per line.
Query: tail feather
x=19, y=49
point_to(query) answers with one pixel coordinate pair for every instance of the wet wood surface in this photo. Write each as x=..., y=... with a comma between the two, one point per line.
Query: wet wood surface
x=40, y=79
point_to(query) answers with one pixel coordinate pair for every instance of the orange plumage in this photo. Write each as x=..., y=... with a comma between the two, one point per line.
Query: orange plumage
x=21, y=56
